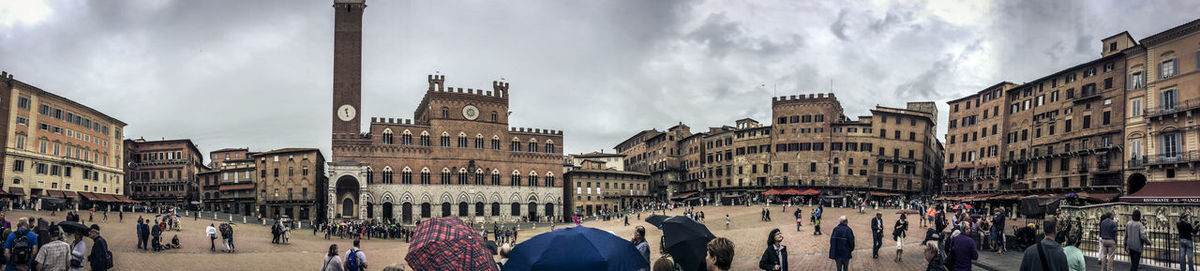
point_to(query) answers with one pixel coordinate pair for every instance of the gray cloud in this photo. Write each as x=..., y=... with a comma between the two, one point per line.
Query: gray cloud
x=258, y=74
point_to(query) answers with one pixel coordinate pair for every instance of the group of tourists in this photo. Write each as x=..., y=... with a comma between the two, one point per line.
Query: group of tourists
x=365, y=230
x=150, y=232
x=38, y=244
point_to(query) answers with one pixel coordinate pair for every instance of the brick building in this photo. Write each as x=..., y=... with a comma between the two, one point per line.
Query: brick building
x=163, y=172
x=1109, y=126
x=594, y=188
x=56, y=147
x=230, y=185
x=975, y=140
x=288, y=183
x=891, y=154
x=457, y=156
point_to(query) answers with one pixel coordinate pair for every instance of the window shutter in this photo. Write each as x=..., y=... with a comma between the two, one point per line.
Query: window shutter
x=1175, y=67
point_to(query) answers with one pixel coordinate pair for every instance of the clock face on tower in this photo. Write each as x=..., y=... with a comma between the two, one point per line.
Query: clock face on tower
x=346, y=112
x=470, y=112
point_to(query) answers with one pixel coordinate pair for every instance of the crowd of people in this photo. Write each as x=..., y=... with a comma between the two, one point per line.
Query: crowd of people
x=39, y=244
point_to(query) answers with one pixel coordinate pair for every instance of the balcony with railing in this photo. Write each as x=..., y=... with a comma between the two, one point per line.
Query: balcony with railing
x=1137, y=162
x=1173, y=158
x=1167, y=109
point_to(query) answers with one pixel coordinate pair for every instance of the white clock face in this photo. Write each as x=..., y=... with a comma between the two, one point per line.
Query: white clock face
x=346, y=112
x=470, y=112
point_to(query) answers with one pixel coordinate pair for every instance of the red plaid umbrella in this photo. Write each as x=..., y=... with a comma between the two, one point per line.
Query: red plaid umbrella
x=447, y=243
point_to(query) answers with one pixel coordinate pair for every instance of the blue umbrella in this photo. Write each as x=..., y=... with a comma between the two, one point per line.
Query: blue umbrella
x=576, y=248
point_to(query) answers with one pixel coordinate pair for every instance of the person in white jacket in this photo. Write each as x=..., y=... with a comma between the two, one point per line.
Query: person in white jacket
x=212, y=237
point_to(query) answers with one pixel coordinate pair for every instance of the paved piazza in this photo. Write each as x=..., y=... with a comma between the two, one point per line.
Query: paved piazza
x=255, y=251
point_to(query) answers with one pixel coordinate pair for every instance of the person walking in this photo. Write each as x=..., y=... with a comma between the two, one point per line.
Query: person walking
x=356, y=260
x=962, y=249
x=1108, y=241
x=639, y=241
x=55, y=255
x=775, y=257
x=841, y=244
x=899, y=231
x=1135, y=239
x=1187, y=249
x=998, y=231
x=876, y=235
x=719, y=254
x=727, y=221
x=211, y=231
x=332, y=261
x=1045, y=255
x=138, y=227
x=100, y=259
x=799, y=218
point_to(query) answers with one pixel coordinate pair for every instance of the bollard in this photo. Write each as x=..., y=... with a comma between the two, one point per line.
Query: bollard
x=243, y=220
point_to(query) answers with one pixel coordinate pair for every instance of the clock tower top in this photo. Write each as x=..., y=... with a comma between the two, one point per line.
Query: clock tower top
x=347, y=66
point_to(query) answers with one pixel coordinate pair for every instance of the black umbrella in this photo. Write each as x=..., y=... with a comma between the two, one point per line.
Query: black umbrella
x=685, y=239
x=72, y=227
x=656, y=220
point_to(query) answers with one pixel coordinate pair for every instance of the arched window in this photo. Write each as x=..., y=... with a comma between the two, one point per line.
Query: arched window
x=406, y=176
x=445, y=113
x=495, y=208
x=516, y=179
x=516, y=209
x=425, y=176
x=533, y=147
x=532, y=179
x=445, y=139
x=462, y=209
x=495, y=117
x=462, y=176
x=549, y=146
x=495, y=177
x=406, y=138
x=425, y=138
x=516, y=145
x=387, y=175
x=370, y=176
x=550, y=179
x=479, y=141
x=445, y=175
x=462, y=140
x=387, y=136
x=495, y=142
x=479, y=177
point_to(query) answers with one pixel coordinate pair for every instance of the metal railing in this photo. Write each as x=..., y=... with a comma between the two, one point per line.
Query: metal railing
x=1168, y=158
x=1172, y=108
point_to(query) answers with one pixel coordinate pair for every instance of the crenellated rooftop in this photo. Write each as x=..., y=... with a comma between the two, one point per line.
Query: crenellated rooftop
x=536, y=131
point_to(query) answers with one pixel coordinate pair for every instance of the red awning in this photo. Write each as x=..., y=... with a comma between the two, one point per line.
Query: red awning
x=772, y=192
x=70, y=194
x=16, y=191
x=1167, y=192
x=243, y=186
x=810, y=192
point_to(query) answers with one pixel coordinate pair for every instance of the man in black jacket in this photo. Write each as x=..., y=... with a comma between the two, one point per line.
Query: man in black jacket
x=100, y=258
x=876, y=235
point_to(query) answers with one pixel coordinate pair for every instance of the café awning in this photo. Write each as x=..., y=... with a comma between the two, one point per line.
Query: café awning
x=16, y=191
x=683, y=195
x=1167, y=192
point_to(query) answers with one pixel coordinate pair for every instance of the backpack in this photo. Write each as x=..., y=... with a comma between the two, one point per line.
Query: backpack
x=352, y=263
x=22, y=249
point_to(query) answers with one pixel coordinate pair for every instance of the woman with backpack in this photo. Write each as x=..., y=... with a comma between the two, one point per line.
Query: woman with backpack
x=332, y=261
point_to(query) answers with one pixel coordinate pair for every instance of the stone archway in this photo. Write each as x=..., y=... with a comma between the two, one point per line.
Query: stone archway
x=1136, y=182
x=348, y=192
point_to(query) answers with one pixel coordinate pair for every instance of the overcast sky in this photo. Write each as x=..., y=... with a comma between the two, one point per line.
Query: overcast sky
x=258, y=74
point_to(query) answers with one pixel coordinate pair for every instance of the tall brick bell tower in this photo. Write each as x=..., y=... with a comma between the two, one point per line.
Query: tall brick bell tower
x=347, y=67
